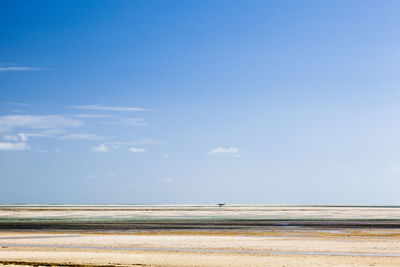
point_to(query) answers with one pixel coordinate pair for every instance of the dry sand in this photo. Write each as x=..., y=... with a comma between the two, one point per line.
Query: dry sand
x=291, y=248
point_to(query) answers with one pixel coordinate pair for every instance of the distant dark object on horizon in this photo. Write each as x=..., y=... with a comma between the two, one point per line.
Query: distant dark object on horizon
x=221, y=204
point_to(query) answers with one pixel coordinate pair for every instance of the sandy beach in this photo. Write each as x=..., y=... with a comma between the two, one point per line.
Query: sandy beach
x=98, y=238
x=293, y=248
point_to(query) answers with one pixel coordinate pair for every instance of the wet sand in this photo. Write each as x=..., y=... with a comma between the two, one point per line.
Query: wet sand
x=98, y=238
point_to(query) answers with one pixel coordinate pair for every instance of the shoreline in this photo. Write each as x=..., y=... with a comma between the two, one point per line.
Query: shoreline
x=190, y=224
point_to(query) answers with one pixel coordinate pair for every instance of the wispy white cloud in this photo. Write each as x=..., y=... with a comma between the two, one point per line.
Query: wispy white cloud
x=230, y=151
x=18, y=137
x=11, y=137
x=15, y=110
x=50, y=122
x=100, y=148
x=118, y=144
x=18, y=104
x=23, y=137
x=128, y=122
x=92, y=116
x=108, y=108
x=4, y=69
x=165, y=155
x=137, y=150
x=47, y=134
x=14, y=146
x=81, y=136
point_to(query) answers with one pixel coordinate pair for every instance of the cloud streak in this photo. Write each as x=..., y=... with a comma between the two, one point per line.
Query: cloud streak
x=9, y=69
x=81, y=136
x=230, y=151
x=100, y=148
x=14, y=146
x=19, y=137
x=108, y=108
x=137, y=150
x=18, y=104
x=51, y=122
x=92, y=116
x=128, y=122
x=119, y=144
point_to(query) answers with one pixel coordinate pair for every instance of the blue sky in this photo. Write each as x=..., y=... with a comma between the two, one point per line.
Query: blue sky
x=200, y=102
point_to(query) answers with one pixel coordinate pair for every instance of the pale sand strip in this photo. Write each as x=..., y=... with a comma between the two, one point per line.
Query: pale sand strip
x=198, y=212
x=296, y=240
x=106, y=248
x=192, y=259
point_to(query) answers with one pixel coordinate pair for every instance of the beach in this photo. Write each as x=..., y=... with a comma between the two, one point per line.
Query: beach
x=199, y=235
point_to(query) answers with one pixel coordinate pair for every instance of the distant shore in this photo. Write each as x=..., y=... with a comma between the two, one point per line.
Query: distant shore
x=194, y=217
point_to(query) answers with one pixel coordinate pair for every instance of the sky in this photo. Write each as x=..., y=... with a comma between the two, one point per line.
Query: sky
x=174, y=102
